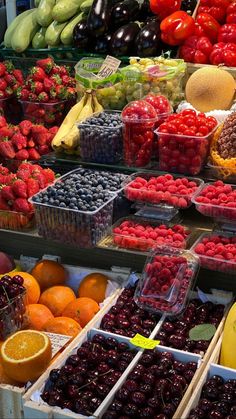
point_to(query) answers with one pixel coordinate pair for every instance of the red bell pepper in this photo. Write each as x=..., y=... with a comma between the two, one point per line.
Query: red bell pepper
x=176, y=28
x=216, y=8
x=227, y=33
x=224, y=54
x=206, y=25
x=196, y=50
x=231, y=13
x=164, y=8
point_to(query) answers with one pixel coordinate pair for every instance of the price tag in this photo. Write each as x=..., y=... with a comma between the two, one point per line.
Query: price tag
x=54, y=258
x=109, y=67
x=57, y=341
x=27, y=262
x=142, y=342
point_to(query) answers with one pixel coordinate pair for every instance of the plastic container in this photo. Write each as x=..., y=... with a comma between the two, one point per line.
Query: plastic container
x=99, y=143
x=182, y=153
x=219, y=212
x=215, y=263
x=142, y=243
x=168, y=276
x=48, y=114
x=12, y=220
x=227, y=174
x=12, y=316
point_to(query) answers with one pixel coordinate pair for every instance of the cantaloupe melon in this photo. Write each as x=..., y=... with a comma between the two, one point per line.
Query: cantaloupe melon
x=210, y=88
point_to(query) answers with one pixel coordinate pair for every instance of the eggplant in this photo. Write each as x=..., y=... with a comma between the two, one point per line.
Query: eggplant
x=145, y=10
x=99, y=17
x=101, y=45
x=81, y=34
x=148, y=41
x=124, y=12
x=122, y=41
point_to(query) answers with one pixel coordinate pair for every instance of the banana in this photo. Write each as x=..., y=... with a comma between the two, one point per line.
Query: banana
x=87, y=110
x=96, y=105
x=71, y=140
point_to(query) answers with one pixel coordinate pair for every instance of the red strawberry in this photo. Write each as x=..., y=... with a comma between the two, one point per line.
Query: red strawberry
x=55, y=70
x=46, y=64
x=7, y=194
x=32, y=187
x=3, y=204
x=22, y=205
x=37, y=74
x=68, y=81
x=33, y=154
x=26, y=166
x=3, y=84
x=49, y=137
x=53, y=130
x=71, y=93
x=6, y=132
x=3, y=122
x=63, y=70
x=43, y=97
x=49, y=118
x=9, y=66
x=37, y=87
x=32, y=97
x=2, y=69
x=49, y=175
x=3, y=170
x=43, y=149
x=61, y=92
x=9, y=179
x=41, y=139
x=19, y=141
x=40, y=177
x=56, y=79
x=19, y=188
x=28, y=82
x=7, y=150
x=22, y=155
x=10, y=79
x=23, y=94
x=38, y=130
x=9, y=91
x=16, y=87
x=18, y=75
x=25, y=127
x=48, y=84
x=53, y=93
x=30, y=143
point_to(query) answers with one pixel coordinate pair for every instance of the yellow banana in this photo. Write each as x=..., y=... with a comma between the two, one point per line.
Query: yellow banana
x=87, y=110
x=71, y=140
x=96, y=105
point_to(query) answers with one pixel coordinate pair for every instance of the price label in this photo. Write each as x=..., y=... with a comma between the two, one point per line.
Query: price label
x=57, y=342
x=142, y=342
x=54, y=258
x=109, y=67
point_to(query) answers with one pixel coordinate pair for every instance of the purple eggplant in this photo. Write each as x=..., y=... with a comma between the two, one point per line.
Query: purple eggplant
x=122, y=41
x=148, y=41
x=81, y=34
x=99, y=17
x=101, y=45
x=124, y=12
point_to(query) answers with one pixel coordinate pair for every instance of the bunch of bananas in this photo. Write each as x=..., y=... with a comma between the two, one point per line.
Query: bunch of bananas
x=67, y=138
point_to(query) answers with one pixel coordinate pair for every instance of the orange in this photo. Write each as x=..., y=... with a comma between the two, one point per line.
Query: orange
x=37, y=315
x=31, y=285
x=82, y=310
x=94, y=286
x=62, y=326
x=57, y=298
x=49, y=273
x=25, y=355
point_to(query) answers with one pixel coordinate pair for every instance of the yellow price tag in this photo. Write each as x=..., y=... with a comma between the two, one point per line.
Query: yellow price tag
x=142, y=342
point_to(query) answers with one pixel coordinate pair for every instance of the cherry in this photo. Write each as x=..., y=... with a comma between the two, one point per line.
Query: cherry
x=110, y=415
x=146, y=412
x=138, y=398
x=130, y=410
x=215, y=414
x=116, y=406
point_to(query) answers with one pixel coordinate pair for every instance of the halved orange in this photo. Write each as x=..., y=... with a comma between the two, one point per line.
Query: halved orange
x=25, y=355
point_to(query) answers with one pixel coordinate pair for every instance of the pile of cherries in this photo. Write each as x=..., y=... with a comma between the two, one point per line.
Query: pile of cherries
x=163, y=189
x=144, y=236
x=12, y=304
x=126, y=318
x=153, y=389
x=218, y=200
x=165, y=284
x=217, y=400
x=175, y=332
x=217, y=252
x=184, y=141
x=88, y=376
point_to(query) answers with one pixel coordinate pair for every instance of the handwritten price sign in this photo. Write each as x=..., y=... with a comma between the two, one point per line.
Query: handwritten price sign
x=144, y=343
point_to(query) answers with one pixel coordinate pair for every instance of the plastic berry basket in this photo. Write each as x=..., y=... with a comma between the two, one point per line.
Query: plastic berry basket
x=142, y=243
x=168, y=276
x=12, y=317
x=227, y=174
x=48, y=114
x=158, y=198
x=99, y=143
x=182, y=153
x=12, y=220
x=219, y=212
x=215, y=263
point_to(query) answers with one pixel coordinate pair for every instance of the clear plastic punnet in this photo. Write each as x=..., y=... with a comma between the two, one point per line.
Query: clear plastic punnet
x=168, y=276
x=12, y=316
x=48, y=114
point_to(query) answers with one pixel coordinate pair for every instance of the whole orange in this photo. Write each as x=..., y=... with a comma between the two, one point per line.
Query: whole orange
x=94, y=286
x=37, y=315
x=49, y=273
x=31, y=285
x=82, y=310
x=62, y=326
x=57, y=298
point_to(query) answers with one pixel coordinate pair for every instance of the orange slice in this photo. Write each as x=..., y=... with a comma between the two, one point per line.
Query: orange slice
x=26, y=355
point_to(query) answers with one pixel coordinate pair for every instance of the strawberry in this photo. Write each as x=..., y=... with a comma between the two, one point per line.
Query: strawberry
x=3, y=84
x=37, y=74
x=46, y=64
x=28, y=82
x=30, y=143
x=10, y=79
x=3, y=170
x=2, y=69
x=19, y=188
x=33, y=154
x=8, y=91
x=26, y=166
x=32, y=187
x=37, y=130
x=48, y=84
x=61, y=92
x=25, y=127
x=43, y=97
x=6, y=193
x=53, y=130
x=9, y=179
x=6, y=132
x=9, y=66
x=6, y=150
x=19, y=141
x=49, y=175
x=53, y=93
x=16, y=87
x=22, y=155
x=32, y=97
x=43, y=149
x=22, y=94
x=63, y=70
x=49, y=118
x=18, y=75
x=41, y=139
x=2, y=94
x=37, y=87
x=22, y=205
x=40, y=177
x=66, y=80
x=3, y=204
x=3, y=122
x=71, y=93
x=57, y=79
